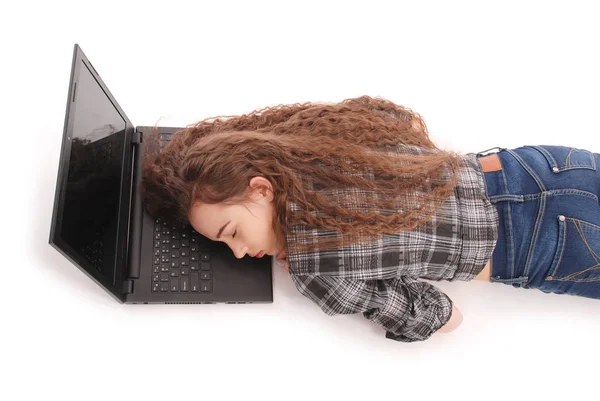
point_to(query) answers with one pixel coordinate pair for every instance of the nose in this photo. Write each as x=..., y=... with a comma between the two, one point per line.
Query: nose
x=239, y=254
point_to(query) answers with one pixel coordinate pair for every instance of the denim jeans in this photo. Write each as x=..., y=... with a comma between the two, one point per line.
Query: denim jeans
x=549, y=231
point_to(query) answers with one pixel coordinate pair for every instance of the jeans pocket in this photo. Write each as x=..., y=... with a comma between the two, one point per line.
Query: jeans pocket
x=562, y=158
x=577, y=255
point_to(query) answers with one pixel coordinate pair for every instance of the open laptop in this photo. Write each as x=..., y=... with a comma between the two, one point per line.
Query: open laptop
x=100, y=225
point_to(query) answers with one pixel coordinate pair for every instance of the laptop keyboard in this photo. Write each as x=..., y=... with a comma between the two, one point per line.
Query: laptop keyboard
x=181, y=260
x=164, y=139
x=181, y=256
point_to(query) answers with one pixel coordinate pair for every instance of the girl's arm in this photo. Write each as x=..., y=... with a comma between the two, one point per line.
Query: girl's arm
x=455, y=320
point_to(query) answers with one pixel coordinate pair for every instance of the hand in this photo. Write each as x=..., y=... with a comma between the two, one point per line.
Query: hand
x=281, y=261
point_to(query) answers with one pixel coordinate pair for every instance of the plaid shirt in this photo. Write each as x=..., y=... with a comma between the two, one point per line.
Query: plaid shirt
x=381, y=280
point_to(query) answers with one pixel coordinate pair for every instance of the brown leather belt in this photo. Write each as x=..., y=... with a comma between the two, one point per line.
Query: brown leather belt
x=490, y=163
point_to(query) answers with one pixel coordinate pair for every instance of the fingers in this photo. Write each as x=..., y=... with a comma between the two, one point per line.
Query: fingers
x=283, y=263
x=281, y=260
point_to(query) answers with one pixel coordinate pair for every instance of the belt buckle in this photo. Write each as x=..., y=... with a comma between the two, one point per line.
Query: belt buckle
x=479, y=154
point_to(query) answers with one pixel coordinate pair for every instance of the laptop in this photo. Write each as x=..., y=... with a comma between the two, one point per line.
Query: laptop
x=100, y=225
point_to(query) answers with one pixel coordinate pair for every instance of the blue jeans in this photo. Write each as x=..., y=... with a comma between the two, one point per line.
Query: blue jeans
x=549, y=232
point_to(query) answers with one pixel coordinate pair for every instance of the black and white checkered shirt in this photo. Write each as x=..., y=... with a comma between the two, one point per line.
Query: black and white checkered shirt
x=381, y=280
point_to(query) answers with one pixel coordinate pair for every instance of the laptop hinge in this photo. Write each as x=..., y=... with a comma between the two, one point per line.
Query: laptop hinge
x=127, y=287
x=136, y=211
x=136, y=137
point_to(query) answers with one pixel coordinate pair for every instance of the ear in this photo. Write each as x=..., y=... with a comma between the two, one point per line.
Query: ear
x=261, y=187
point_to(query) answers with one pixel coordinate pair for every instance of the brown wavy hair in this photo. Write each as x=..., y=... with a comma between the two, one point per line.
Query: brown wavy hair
x=314, y=155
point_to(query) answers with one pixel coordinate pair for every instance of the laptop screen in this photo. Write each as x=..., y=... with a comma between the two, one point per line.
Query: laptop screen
x=90, y=208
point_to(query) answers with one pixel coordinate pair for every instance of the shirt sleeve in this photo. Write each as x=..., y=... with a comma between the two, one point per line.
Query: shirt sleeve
x=409, y=310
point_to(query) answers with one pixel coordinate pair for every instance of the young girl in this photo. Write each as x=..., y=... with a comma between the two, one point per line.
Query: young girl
x=359, y=205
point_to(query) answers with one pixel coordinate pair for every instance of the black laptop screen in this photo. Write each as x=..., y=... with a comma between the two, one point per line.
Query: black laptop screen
x=91, y=202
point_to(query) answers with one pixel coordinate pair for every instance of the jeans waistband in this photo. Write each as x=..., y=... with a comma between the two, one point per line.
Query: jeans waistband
x=492, y=169
x=503, y=269
x=495, y=177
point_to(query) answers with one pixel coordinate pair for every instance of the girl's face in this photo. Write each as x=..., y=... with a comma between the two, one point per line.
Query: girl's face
x=246, y=229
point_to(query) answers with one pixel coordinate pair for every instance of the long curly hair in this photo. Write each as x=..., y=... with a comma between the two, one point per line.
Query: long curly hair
x=314, y=155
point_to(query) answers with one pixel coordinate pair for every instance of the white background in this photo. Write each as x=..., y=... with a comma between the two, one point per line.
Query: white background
x=481, y=74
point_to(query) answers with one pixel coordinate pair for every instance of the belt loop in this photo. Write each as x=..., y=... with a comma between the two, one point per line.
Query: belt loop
x=479, y=154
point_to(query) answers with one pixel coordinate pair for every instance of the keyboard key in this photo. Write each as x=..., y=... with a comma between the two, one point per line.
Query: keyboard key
x=204, y=257
x=194, y=280
x=185, y=284
x=174, y=273
x=155, y=287
x=185, y=243
x=175, y=263
x=175, y=244
x=204, y=266
x=156, y=269
x=185, y=261
x=185, y=271
x=164, y=287
x=174, y=253
x=155, y=277
x=194, y=266
x=205, y=275
x=164, y=276
x=175, y=284
x=205, y=286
